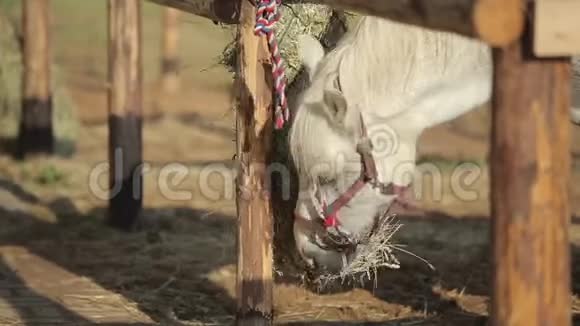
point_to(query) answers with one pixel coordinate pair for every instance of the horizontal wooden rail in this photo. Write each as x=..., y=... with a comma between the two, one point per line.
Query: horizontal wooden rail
x=223, y=11
x=491, y=21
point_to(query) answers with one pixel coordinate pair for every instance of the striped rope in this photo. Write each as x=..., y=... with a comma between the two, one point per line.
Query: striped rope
x=266, y=18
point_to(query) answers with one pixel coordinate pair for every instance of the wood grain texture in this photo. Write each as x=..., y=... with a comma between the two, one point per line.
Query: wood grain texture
x=556, y=28
x=496, y=22
x=125, y=112
x=254, y=141
x=36, y=130
x=529, y=191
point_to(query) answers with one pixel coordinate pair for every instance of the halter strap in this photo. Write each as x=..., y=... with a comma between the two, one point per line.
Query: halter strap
x=368, y=175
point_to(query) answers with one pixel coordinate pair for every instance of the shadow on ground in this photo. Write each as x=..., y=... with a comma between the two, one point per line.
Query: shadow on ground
x=26, y=306
x=64, y=148
x=165, y=267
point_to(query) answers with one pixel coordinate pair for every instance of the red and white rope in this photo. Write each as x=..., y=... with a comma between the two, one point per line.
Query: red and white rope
x=266, y=18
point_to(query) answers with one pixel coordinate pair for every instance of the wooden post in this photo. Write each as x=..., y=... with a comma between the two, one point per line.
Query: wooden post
x=530, y=170
x=556, y=37
x=170, y=54
x=35, y=132
x=254, y=139
x=125, y=107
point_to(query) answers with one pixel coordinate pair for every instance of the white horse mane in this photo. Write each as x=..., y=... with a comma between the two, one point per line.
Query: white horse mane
x=383, y=67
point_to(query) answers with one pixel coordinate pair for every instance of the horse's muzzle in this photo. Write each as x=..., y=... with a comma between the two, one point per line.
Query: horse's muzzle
x=326, y=238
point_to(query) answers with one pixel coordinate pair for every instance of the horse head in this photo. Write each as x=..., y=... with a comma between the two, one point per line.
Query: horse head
x=351, y=164
x=356, y=126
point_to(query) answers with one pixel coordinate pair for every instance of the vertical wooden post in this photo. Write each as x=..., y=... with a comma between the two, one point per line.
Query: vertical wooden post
x=170, y=54
x=530, y=170
x=35, y=132
x=254, y=137
x=125, y=107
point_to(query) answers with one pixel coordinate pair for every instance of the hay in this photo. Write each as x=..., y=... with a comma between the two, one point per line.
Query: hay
x=295, y=19
x=377, y=253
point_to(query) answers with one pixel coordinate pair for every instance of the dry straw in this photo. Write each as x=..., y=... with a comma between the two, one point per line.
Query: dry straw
x=295, y=20
x=375, y=254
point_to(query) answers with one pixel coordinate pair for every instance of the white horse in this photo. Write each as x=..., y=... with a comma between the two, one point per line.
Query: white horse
x=387, y=81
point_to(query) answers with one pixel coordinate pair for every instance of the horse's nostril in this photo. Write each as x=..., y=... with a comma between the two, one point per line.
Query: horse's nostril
x=311, y=262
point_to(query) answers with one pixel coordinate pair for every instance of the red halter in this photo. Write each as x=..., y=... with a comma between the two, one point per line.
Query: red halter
x=368, y=175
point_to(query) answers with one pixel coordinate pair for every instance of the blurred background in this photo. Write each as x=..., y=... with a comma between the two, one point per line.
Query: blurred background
x=59, y=263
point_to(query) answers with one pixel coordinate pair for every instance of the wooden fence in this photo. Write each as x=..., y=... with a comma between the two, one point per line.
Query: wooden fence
x=35, y=133
x=530, y=159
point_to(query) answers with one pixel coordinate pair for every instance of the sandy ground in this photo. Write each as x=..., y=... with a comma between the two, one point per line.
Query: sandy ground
x=180, y=266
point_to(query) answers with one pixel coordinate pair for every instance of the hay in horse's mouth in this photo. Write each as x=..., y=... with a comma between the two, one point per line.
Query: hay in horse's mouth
x=376, y=252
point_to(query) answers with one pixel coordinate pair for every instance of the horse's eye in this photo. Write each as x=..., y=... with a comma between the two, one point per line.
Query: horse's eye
x=324, y=180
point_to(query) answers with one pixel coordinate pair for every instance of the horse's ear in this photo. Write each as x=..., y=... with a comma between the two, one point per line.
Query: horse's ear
x=336, y=104
x=311, y=52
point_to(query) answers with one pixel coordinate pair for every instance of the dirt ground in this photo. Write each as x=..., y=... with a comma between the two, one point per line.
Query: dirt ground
x=179, y=268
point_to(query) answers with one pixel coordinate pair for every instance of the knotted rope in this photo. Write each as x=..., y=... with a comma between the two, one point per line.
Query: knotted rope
x=266, y=18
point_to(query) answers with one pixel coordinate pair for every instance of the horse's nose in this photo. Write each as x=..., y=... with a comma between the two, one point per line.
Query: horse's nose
x=312, y=254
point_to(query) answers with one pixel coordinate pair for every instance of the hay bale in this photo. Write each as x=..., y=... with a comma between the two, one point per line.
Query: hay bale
x=296, y=19
x=64, y=118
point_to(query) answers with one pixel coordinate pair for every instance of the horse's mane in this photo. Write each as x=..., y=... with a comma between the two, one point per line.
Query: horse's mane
x=380, y=64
